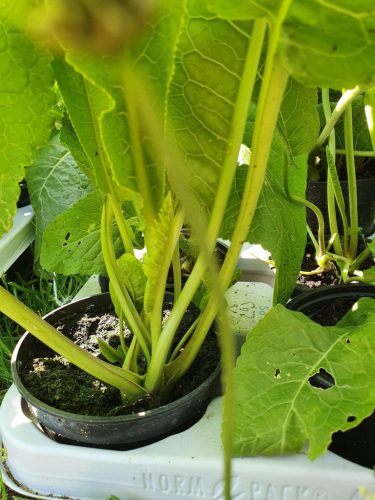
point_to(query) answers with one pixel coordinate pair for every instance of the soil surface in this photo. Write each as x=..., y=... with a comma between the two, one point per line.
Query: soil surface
x=55, y=381
x=329, y=277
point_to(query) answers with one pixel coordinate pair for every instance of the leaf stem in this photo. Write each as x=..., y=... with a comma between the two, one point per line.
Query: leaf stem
x=125, y=381
x=352, y=182
x=342, y=104
x=132, y=317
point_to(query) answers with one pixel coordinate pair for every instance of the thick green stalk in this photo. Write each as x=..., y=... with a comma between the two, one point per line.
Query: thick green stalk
x=131, y=314
x=159, y=292
x=223, y=191
x=332, y=218
x=273, y=86
x=356, y=152
x=320, y=246
x=352, y=182
x=126, y=381
x=176, y=266
x=122, y=223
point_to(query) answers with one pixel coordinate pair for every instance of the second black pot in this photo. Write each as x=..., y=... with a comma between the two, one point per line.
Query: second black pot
x=119, y=432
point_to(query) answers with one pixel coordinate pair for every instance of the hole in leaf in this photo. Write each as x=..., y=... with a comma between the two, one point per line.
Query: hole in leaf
x=277, y=373
x=348, y=341
x=67, y=236
x=351, y=418
x=322, y=379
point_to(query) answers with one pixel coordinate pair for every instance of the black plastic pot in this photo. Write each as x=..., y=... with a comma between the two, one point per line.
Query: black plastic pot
x=117, y=432
x=316, y=192
x=24, y=198
x=357, y=444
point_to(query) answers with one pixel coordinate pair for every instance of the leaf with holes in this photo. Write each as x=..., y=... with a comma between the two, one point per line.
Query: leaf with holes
x=55, y=183
x=71, y=243
x=278, y=405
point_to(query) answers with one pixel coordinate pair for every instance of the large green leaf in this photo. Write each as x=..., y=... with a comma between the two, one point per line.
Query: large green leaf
x=71, y=243
x=85, y=104
x=277, y=409
x=100, y=82
x=324, y=44
x=55, y=184
x=26, y=98
x=203, y=99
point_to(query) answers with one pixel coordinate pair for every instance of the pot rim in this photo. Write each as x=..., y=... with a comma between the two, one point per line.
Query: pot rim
x=317, y=295
x=73, y=417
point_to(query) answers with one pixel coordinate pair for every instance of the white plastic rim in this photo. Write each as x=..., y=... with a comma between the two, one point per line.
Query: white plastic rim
x=18, y=238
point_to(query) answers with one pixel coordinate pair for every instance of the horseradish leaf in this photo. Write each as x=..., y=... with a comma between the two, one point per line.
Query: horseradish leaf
x=278, y=407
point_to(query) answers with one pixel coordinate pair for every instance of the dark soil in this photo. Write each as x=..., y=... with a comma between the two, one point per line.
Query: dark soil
x=329, y=277
x=55, y=381
x=331, y=313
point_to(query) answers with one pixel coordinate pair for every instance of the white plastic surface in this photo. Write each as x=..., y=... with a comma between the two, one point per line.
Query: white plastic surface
x=253, y=262
x=186, y=465
x=17, y=239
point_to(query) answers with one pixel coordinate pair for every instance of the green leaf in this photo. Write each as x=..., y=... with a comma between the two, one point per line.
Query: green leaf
x=361, y=135
x=275, y=210
x=299, y=119
x=323, y=44
x=159, y=253
x=202, y=103
x=71, y=243
x=55, y=184
x=85, y=104
x=368, y=275
x=99, y=82
x=69, y=138
x=131, y=273
x=276, y=408
x=26, y=98
x=371, y=245
x=109, y=352
x=339, y=197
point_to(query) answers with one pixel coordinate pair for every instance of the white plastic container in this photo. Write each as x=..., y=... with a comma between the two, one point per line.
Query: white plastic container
x=18, y=238
x=186, y=465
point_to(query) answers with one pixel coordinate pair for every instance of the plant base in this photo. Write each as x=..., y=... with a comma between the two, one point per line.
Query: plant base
x=186, y=465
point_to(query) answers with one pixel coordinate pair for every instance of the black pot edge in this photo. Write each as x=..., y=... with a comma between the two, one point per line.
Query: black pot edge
x=316, y=295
